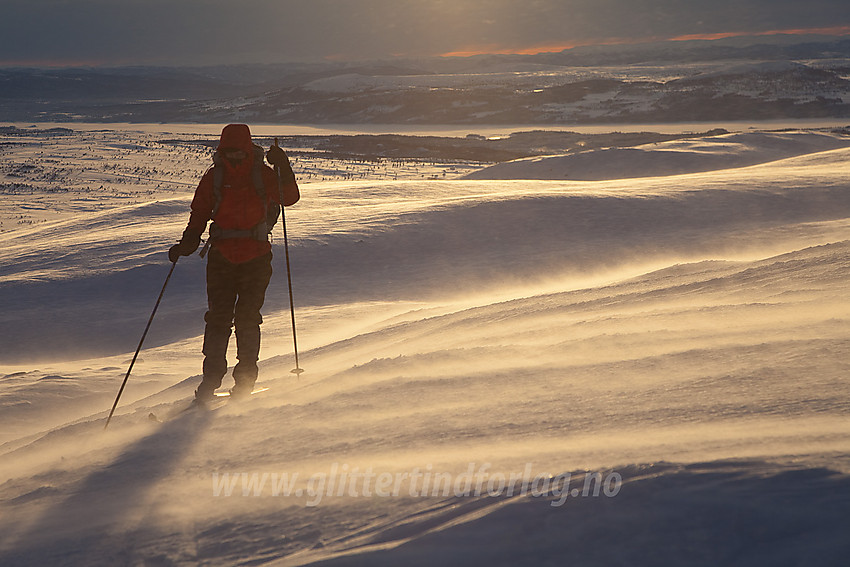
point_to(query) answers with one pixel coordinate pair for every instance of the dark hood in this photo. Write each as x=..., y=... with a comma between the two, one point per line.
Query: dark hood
x=236, y=136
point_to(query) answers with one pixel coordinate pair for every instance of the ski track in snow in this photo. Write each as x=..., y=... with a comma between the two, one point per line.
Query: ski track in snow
x=684, y=326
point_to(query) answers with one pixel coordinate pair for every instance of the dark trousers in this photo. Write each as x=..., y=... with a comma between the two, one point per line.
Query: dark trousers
x=235, y=295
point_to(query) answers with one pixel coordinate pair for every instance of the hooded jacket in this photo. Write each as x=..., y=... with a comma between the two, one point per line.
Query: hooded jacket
x=241, y=207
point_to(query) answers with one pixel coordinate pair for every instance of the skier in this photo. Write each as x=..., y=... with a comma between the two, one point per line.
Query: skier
x=242, y=196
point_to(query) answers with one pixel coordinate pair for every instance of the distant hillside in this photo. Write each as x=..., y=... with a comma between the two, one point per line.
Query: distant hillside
x=659, y=82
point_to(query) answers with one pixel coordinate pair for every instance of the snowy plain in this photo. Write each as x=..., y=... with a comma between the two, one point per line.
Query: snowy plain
x=675, y=326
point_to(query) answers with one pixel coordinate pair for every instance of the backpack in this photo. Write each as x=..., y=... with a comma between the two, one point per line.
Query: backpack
x=262, y=229
x=256, y=178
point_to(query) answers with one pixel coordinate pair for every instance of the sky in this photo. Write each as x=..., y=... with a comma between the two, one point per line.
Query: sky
x=208, y=32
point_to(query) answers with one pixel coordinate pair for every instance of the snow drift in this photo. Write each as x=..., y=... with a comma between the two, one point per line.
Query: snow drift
x=688, y=333
x=667, y=158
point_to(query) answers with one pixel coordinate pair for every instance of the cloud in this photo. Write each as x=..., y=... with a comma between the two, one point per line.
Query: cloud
x=180, y=32
x=831, y=30
x=494, y=49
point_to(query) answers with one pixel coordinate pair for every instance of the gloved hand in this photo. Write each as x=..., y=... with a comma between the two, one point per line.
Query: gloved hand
x=278, y=157
x=280, y=160
x=186, y=247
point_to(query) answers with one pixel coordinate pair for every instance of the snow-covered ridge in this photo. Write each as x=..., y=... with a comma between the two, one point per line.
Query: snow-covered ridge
x=466, y=234
x=666, y=83
x=668, y=158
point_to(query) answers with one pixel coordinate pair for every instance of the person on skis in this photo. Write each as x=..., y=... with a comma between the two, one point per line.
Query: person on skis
x=242, y=197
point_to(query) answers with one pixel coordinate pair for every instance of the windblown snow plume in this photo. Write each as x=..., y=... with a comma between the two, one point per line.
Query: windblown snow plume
x=630, y=360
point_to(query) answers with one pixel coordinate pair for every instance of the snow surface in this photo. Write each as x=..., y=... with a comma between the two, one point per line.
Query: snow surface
x=687, y=334
x=667, y=158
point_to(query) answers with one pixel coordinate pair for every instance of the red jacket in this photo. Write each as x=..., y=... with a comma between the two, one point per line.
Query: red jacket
x=241, y=207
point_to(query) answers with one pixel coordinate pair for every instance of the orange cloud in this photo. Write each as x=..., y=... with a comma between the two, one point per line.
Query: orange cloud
x=835, y=30
x=537, y=49
x=492, y=49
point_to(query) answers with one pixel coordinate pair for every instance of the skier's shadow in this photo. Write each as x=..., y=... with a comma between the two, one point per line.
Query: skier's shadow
x=90, y=526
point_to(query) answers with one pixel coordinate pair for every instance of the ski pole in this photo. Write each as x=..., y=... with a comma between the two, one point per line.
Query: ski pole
x=297, y=370
x=139, y=348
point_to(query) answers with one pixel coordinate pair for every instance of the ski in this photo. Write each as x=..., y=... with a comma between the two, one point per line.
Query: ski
x=227, y=394
x=221, y=399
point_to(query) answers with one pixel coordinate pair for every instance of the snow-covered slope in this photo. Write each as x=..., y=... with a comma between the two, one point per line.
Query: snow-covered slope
x=671, y=82
x=679, y=344
x=667, y=158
